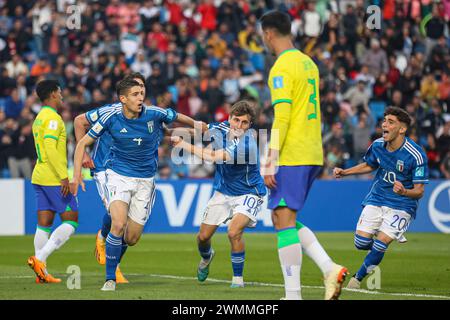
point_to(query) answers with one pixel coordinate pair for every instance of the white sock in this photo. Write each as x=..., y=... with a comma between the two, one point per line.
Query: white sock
x=291, y=264
x=57, y=239
x=40, y=239
x=314, y=250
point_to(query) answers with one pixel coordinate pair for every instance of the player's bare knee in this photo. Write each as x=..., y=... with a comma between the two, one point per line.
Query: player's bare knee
x=234, y=235
x=118, y=228
x=70, y=216
x=203, y=237
x=131, y=240
x=45, y=218
x=45, y=223
x=384, y=238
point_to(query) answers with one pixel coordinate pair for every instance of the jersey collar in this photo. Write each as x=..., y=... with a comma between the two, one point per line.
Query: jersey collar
x=400, y=148
x=287, y=50
x=140, y=114
x=48, y=107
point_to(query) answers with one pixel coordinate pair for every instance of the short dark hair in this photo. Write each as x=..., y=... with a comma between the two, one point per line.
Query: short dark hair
x=123, y=86
x=135, y=75
x=401, y=115
x=242, y=108
x=45, y=88
x=278, y=20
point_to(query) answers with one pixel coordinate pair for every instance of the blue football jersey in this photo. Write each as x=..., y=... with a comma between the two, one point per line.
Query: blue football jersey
x=103, y=143
x=408, y=164
x=241, y=175
x=134, y=151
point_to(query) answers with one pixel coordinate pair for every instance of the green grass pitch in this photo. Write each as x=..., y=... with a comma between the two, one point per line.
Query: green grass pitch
x=163, y=266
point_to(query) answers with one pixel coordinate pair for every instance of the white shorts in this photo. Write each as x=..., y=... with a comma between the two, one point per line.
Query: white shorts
x=390, y=221
x=138, y=193
x=222, y=208
x=100, y=182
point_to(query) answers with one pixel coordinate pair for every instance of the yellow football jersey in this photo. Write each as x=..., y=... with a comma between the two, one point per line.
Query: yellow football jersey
x=294, y=78
x=50, y=141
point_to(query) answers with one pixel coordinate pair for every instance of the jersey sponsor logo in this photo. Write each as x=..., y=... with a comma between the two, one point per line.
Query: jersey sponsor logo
x=278, y=82
x=400, y=165
x=53, y=125
x=439, y=200
x=97, y=128
x=94, y=116
x=123, y=130
x=138, y=140
x=150, y=126
x=420, y=172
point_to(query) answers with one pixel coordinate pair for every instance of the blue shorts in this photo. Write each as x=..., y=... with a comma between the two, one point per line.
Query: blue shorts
x=49, y=198
x=293, y=184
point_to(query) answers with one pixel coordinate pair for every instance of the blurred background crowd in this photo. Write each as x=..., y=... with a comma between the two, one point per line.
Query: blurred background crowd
x=199, y=57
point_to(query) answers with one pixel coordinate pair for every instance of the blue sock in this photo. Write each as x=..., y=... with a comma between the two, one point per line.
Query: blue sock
x=106, y=226
x=124, y=249
x=372, y=259
x=113, y=249
x=237, y=261
x=205, y=250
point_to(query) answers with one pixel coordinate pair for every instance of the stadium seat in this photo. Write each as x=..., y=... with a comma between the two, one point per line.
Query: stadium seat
x=377, y=109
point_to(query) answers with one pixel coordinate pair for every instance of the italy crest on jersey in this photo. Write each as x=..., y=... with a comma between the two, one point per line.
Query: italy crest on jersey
x=400, y=165
x=150, y=126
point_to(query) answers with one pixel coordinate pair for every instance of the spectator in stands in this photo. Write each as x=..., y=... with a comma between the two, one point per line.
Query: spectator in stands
x=429, y=87
x=23, y=154
x=361, y=133
x=16, y=67
x=357, y=96
x=445, y=165
x=216, y=48
x=376, y=59
x=13, y=105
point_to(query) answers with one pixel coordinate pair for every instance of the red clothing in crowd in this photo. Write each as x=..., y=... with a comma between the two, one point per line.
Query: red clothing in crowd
x=389, y=9
x=209, y=14
x=176, y=13
x=162, y=41
x=183, y=104
x=221, y=114
x=393, y=75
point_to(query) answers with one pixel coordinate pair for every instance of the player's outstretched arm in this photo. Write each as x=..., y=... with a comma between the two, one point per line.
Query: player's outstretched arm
x=361, y=168
x=77, y=162
x=180, y=131
x=414, y=193
x=188, y=121
x=203, y=153
x=81, y=125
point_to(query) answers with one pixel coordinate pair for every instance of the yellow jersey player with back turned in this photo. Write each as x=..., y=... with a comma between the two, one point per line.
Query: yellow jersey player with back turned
x=295, y=156
x=50, y=181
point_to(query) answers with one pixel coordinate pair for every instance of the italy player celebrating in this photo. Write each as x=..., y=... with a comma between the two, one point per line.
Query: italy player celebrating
x=50, y=181
x=131, y=165
x=238, y=187
x=402, y=172
x=102, y=146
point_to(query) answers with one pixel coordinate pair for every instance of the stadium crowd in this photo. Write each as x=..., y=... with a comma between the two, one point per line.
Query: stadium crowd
x=199, y=57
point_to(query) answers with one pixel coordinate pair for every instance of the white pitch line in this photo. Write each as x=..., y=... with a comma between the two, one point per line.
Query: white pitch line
x=262, y=284
x=303, y=286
